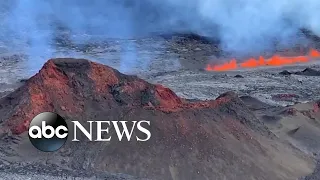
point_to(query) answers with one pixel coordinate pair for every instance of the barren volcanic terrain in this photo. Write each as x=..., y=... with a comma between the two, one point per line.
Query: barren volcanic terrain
x=225, y=138
x=231, y=88
x=260, y=123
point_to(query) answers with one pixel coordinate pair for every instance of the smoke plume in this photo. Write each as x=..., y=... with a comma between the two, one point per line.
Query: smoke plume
x=242, y=26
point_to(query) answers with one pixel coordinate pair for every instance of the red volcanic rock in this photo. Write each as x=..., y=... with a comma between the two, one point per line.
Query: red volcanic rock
x=284, y=97
x=166, y=97
x=56, y=87
x=316, y=107
x=191, y=135
x=45, y=91
x=102, y=76
x=289, y=111
x=63, y=85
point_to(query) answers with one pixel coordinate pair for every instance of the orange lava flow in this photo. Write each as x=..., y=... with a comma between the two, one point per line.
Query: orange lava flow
x=273, y=61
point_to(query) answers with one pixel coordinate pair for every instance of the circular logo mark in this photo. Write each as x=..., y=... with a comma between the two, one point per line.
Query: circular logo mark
x=48, y=131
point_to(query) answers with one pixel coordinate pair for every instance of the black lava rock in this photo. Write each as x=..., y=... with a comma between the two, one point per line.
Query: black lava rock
x=238, y=76
x=285, y=73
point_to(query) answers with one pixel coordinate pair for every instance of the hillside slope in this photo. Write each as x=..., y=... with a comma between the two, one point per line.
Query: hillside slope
x=217, y=139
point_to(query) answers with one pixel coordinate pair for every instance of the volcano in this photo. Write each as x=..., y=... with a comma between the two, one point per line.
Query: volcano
x=214, y=139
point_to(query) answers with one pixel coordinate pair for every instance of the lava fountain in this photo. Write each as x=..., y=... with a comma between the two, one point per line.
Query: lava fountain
x=275, y=60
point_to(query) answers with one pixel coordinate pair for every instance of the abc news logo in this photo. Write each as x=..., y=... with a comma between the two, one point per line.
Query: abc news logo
x=48, y=131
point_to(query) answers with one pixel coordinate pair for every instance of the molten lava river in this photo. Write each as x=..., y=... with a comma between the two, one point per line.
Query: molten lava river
x=275, y=60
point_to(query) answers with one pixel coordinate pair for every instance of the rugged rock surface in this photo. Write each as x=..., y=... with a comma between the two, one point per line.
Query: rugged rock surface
x=315, y=175
x=305, y=72
x=298, y=124
x=309, y=72
x=216, y=139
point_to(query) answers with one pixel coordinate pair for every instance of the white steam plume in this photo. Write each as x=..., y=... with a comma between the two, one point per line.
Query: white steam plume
x=243, y=26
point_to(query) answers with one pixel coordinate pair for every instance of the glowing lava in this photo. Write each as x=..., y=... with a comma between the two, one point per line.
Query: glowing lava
x=273, y=61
